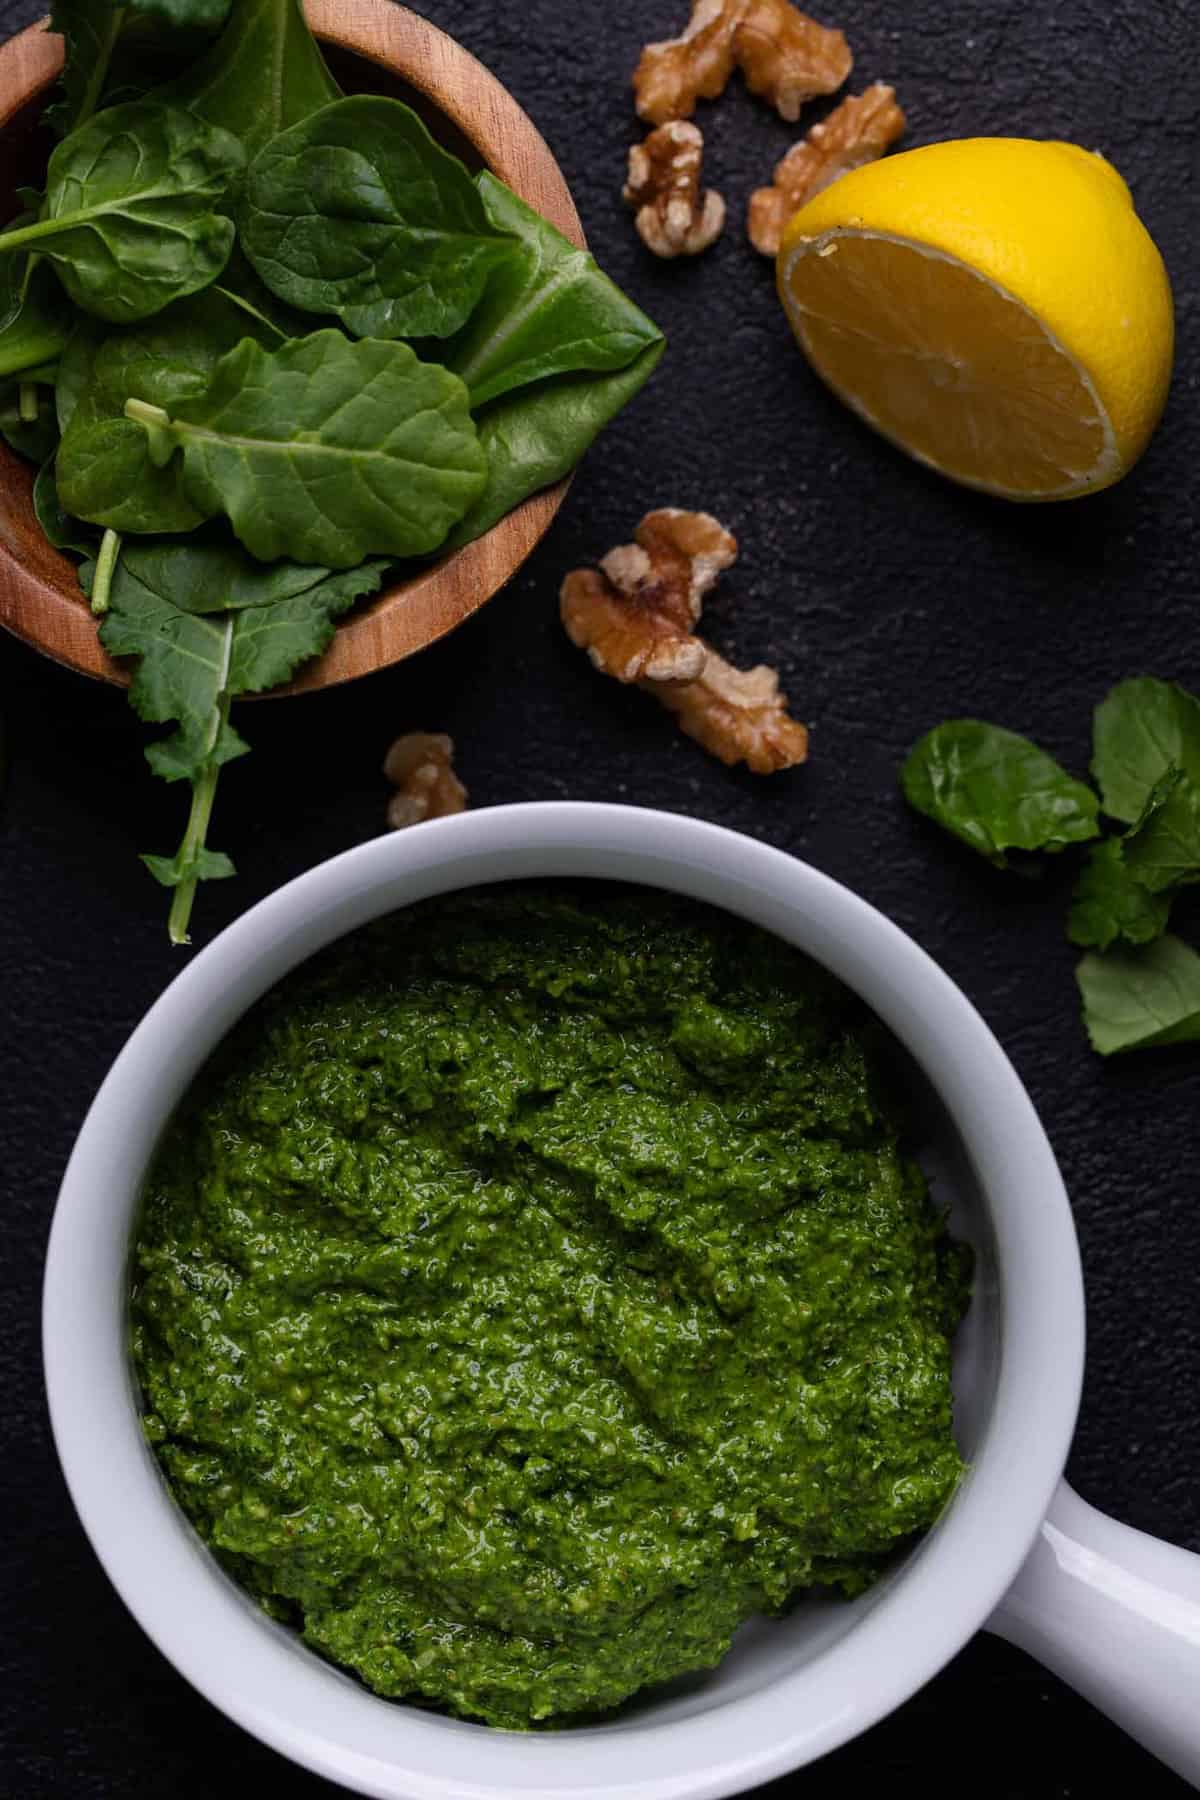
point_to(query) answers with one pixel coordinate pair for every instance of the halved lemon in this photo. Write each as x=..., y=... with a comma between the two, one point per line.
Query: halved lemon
x=994, y=306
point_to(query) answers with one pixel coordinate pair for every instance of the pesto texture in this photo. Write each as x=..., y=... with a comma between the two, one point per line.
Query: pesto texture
x=534, y=1287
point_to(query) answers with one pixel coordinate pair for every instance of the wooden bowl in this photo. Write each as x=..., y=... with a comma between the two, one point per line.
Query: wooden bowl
x=381, y=47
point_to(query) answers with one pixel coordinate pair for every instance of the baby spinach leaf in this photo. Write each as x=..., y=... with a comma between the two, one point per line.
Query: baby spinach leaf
x=89, y=29
x=324, y=450
x=39, y=320
x=13, y=270
x=1125, y=888
x=209, y=572
x=358, y=212
x=1142, y=729
x=60, y=529
x=553, y=352
x=263, y=74
x=239, y=281
x=537, y=435
x=1137, y=999
x=34, y=438
x=129, y=219
x=1163, y=850
x=113, y=53
x=203, y=14
x=192, y=662
x=547, y=310
x=1110, y=903
x=996, y=791
x=104, y=471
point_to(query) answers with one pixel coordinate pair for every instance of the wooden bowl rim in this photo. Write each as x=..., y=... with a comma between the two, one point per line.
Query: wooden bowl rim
x=48, y=611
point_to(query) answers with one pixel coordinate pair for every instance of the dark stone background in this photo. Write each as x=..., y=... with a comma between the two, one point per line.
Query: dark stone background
x=890, y=600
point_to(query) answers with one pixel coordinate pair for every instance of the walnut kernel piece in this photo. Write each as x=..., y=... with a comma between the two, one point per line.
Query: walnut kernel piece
x=858, y=131
x=671, y=76
x=739, y=715
x=674, y=218
x=784, y=55
x=634, y=616
x=787, y=57
x=421, y=767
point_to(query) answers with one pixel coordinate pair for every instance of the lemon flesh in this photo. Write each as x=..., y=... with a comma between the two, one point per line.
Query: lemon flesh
x=994, y=306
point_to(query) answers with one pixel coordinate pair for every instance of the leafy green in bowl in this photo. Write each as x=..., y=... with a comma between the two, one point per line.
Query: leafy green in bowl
x=282, y=345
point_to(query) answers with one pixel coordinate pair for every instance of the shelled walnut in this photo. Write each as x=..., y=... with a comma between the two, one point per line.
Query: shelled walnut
x=858, y=131
x=674, y=217
x=671, y=76
x=421, y=767
x=785, y=56
x=635, y=615
x=739, y=715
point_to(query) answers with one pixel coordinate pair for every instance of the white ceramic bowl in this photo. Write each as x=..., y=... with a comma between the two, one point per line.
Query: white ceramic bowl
x=1116, y=1612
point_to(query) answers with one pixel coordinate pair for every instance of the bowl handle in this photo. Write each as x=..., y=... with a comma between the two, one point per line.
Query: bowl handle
x=1116, y=1614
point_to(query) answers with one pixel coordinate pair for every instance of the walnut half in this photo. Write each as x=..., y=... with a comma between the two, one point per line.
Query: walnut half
x=787, y=57
x=858, y=131
x=634, y=616
x=420, y=765
x=673, y=75
x=673, y=216
x=784, y=55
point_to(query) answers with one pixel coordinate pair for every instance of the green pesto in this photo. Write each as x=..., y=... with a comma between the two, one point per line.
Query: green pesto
x=534, y=1287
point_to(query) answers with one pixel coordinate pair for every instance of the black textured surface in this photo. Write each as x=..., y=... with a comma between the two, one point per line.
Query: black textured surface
x=889, y=600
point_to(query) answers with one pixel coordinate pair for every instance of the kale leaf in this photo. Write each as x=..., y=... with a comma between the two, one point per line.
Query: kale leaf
x=206, y=624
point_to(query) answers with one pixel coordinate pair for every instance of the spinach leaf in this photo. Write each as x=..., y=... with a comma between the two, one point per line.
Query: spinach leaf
x=358, y=212
x=553, y=352
x=1143, y=728
x=548, y=310
x=263, y=74
x=39, y=318
x=59, y=528
x=537, y=435
x=1163, y=850
x=1110, y=903
x=323, y=449
x=209, y=572
x=192, y=663
x=1124, y=889
x=118, y=52
x=89, y=29
x=128, y=220
x=996, y=791
x=1137, y=999
x=105, y=473
x=204, y=14
x=34, y=437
